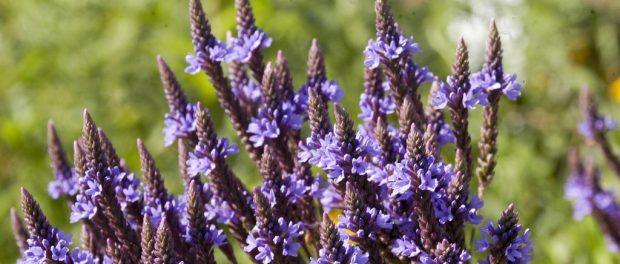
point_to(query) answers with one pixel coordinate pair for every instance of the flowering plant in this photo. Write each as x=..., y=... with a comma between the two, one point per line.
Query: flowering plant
x=396, y=199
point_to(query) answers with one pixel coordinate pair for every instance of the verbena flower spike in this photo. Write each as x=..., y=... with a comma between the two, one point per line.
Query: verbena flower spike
x=584, y=187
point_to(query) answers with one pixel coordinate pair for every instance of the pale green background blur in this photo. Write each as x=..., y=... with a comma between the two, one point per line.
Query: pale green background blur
x=58, y=57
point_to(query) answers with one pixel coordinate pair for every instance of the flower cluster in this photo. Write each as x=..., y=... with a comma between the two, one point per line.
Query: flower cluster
x=505, y=242
x=583, y=187
x=329, y=154
x=397, y=199
x=379, y=51
x=179, y=124
x=203, y=159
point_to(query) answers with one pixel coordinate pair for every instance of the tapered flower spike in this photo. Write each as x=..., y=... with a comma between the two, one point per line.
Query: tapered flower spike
x=36, y=222
x=330, y=238
x=607, y=216
x=384, y=140
x=507, y=243
x=344, y=126
x=356, y=210
x=222, y=180
x=430, y=231
x=164, y=252
x=245, y=17
x=109, y=152
x=56, y=151
x=595, y=126
x=154, y=181
x=127, y=238
x=459, y=186
x=316, y=65
x=92, y=144
x=107, y=200
x=272, y=101
x=203, y=40
x=65, y=180
x=384, y=21
x=318, y=115
x=489, y=131
x=148, y=241
x=245, y=27
x=197, y=225
x=183, y=157
x=494, y=52
x=507, y=221
x=405, y=117
x=415, y=144
x=156, y=193
x=19, y=231
x=272, y=178
x=172, y=89
x=205, y=127
x=79, y=159
x=269, y=87
x=284, y=76
x=200, y=27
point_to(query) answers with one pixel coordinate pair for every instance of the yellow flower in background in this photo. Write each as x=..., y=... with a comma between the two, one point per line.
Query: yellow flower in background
x=614, y=90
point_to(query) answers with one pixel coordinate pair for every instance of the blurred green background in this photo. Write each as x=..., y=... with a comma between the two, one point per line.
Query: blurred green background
x=58, y=57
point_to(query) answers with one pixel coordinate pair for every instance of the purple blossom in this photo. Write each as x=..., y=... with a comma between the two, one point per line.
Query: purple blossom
x=367, y=225
x=203, y=160
x=440, y=96
x=385, y=105
x=248, y=92
x=53, y=247
x=82, y=257
x=518, y=247
x=349, y=254
x=378, y=51
x=194, y=64
x=475, y=96
x=284, y=235
x=405, y=247
x=64, y=183
x=179, y=124
x=156, y=210
x=83, y=208
x=441, y=208
x=242, y=47
x=262, y=129
x=471, y=210
x=486, y=81
x=220, y=52
x=600, y=124
x=446, y=135
x=332, y=91
x=126, y=186
x=213, y=236
x=327, y=153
